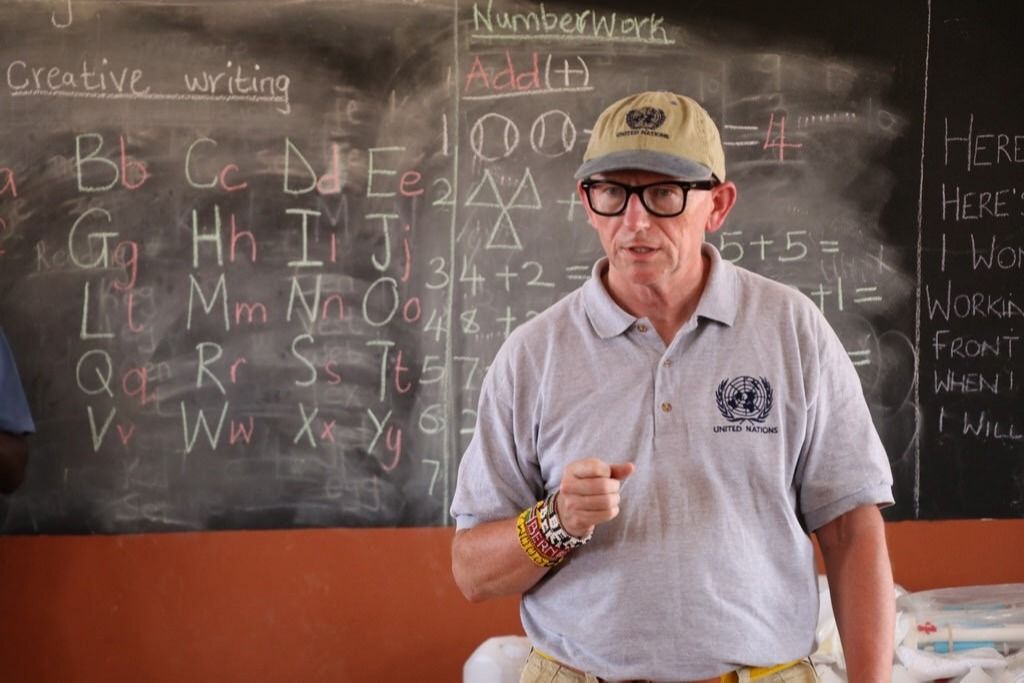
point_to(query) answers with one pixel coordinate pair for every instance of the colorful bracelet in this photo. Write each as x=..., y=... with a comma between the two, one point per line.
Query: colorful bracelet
x=542, y=536
x=553, y=529
x=533, y=541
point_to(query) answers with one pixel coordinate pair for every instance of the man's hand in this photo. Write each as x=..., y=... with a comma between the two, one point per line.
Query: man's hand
x=589, y=494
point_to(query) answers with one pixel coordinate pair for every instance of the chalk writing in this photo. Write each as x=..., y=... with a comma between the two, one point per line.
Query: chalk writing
x=585, y=25
x=103, y=80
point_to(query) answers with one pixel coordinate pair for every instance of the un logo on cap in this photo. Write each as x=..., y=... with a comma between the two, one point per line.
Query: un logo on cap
x=744, y=398
x=645, y=118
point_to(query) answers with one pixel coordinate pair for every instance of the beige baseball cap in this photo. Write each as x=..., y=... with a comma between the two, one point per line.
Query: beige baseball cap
x=660, y=132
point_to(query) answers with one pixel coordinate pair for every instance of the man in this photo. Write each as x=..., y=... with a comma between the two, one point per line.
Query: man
x=15, y=422
x=653, y=451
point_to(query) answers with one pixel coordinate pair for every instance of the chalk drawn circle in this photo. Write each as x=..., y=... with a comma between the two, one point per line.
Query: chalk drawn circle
x=509, y=136
x=564, y=139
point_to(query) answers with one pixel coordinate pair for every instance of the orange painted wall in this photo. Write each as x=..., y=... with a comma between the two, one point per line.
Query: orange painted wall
x=320, y=605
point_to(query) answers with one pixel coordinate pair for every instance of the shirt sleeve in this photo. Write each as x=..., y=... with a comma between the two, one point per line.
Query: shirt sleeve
x=15, y=417
x=843, y=463
x=499, y=474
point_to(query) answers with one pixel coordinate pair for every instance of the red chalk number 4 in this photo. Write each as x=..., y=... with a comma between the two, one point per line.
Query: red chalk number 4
x=779, y=142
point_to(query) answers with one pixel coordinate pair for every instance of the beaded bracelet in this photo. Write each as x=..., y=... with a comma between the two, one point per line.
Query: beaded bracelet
x=542, y=536
x=533, y=541
x=553, y=529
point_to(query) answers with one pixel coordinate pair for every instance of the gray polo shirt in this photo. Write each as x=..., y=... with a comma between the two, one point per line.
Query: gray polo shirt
x=748, y=430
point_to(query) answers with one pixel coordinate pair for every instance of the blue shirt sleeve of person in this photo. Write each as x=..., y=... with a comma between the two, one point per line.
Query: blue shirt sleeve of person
x=15, y=417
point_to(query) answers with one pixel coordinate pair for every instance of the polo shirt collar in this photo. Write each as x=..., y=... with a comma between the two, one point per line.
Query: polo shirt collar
x=717, y=302
x=607, y=317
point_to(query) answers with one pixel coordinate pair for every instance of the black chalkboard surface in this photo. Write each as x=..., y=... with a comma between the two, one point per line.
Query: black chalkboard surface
x=255, y=257
x=972, y=258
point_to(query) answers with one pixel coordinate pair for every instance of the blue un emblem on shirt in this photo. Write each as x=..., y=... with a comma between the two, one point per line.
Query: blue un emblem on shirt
x=744, y=399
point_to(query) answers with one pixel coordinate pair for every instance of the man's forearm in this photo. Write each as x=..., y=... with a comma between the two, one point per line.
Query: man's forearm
x=860, y=580
x=489, y=562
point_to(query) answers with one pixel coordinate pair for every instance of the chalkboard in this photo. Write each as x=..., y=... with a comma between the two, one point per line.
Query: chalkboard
x=972, y=259
x=255, y=257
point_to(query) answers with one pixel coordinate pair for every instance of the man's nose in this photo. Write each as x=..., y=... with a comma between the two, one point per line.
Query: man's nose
x=636, y=216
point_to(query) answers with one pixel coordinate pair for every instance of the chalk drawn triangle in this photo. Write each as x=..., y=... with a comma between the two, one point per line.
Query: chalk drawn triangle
x=504, y=235
x=526, y=183
x=488, y=179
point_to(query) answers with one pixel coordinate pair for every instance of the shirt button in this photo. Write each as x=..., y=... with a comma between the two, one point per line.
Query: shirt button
x=641, y=328
x=667, y=363
x=666, y=407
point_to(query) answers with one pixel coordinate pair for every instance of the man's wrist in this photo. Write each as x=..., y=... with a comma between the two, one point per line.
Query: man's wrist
x=555, y=531
x=533, y=540
x=541, y=534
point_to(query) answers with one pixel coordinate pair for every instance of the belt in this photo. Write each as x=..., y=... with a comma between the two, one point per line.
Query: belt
x=754, y=673
x=758, y=672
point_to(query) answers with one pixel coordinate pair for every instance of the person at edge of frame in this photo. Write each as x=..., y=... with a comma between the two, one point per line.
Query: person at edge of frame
x=15, y=423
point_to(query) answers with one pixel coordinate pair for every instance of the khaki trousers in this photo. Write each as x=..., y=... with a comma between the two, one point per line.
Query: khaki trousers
x=540, y=669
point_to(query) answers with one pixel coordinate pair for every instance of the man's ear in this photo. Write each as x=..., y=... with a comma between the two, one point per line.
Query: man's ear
x=723, y=198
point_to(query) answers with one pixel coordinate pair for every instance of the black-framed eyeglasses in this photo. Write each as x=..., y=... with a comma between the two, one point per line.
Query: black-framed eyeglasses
x=664, y=199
